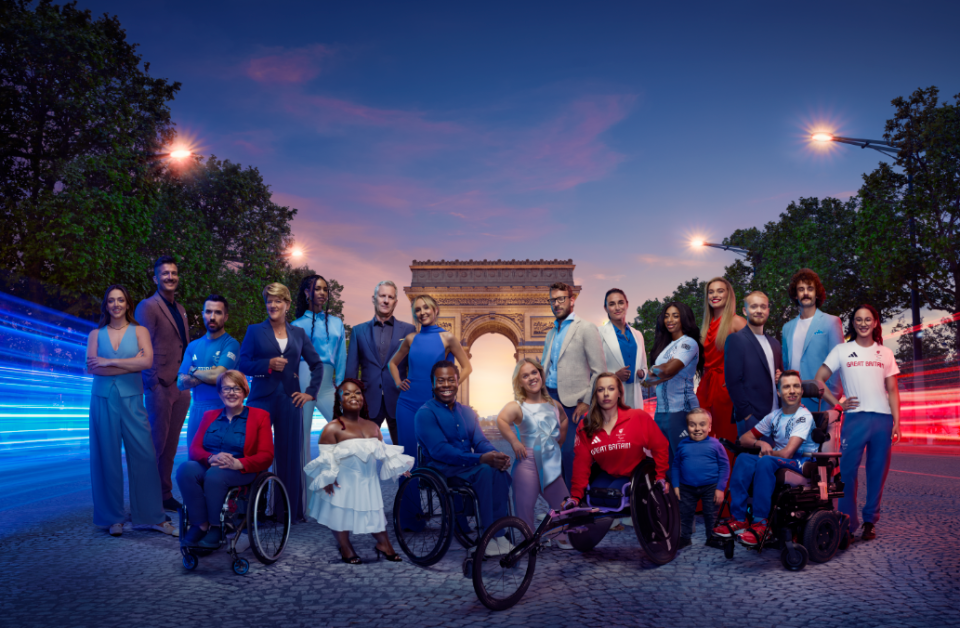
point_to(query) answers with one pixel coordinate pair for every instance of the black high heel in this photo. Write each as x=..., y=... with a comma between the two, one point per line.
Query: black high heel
x=350, y=560
x=393, y=558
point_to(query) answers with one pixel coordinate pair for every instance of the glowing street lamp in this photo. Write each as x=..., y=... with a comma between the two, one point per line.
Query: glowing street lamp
x=753, y=258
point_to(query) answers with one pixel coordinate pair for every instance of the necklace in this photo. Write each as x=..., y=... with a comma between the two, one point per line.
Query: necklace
x=118, y=328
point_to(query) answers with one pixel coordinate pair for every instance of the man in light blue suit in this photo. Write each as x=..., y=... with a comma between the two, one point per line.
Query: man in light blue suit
x=372, y=344
x=809, y=337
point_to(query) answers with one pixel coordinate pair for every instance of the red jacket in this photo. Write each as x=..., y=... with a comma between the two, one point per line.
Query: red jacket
x=619, y=452
x=257, y=445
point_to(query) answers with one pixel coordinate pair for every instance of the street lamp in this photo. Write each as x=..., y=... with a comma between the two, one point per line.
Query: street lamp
x=752, y=257
x=890, y=149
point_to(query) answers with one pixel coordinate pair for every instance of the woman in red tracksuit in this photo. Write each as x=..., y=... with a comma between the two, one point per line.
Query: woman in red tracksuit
x=613, y=436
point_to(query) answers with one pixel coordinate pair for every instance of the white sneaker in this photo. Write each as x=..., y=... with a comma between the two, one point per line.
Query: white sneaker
x=243, y=543
x=505, y=546
x=540, y=516
x=562, y=542
x=116, y=529
x=167, y=528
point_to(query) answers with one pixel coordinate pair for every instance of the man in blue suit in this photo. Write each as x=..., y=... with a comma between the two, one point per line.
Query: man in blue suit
x=809, y=337
x=372, y=344
x=752, y=364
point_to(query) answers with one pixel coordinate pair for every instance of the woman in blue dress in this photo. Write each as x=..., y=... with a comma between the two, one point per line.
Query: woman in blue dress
x=270, y=354
x=329, y=338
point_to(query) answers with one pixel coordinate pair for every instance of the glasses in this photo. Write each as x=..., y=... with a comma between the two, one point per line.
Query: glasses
x=226, y=390
x=558, y=300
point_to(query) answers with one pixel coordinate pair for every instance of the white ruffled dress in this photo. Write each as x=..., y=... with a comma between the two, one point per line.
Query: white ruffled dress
x=356, y=504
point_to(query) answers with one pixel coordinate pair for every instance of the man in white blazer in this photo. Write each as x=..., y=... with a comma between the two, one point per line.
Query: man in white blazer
x=573, y=359
x=623, y=349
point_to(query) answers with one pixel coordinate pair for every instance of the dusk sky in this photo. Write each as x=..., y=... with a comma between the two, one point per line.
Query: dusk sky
x=609, y=133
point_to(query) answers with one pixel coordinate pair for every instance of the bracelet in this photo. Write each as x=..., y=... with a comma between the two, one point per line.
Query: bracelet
x=838, y=408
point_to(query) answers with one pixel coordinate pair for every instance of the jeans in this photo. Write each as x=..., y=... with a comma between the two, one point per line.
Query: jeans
x=204, y=490
x=566, y=449
x=673, y=425
x=761, y=472
x=871, y=431
x=689, y=496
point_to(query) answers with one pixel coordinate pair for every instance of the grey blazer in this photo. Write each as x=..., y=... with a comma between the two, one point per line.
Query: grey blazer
x=580, y=361
x=168, y=348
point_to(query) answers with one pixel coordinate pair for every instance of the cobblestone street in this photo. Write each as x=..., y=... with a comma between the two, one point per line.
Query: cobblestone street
x=59, y=570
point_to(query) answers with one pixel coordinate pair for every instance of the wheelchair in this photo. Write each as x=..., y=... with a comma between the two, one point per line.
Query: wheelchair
x=803, y=523
x=446, y=508
x=261, y=510
x=501, y=581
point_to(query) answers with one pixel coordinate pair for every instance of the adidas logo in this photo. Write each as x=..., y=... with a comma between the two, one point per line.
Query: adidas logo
x=596, y=439
x=194, y=356
x=854, y=355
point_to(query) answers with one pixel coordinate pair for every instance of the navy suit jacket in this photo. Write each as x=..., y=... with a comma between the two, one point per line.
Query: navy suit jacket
x=747, y=373
x=363, y=355
x=260, y=346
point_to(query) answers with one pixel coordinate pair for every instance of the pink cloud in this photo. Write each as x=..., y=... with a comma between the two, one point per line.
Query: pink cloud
x=298, y=65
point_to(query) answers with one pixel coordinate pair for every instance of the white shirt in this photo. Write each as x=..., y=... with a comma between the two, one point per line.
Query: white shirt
x=768, y=351
x=784, y=426
x=799, y=336
x=864, y=371
x=283, y=344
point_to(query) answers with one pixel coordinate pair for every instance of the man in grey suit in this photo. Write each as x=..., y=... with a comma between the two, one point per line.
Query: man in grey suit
x=372, y=344
x=573, y=359
x=167, y=405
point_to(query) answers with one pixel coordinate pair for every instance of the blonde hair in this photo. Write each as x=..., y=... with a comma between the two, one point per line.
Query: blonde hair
x=429, y=300
x=237, y=378
x=702, y=411
x=594, y=418
x=277, y=290
x=519, y=394
x=726, y=317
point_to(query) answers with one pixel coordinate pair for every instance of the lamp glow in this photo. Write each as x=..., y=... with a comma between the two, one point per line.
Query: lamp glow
x=296, y=252
x=180, y=154
x=697, y=243
x=821, y=137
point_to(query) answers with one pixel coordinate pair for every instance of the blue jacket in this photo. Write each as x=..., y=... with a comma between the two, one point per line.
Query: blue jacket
x=450, y=440
x=825, y=333
x=260, y=346
x=747, y=374
x=363, y=355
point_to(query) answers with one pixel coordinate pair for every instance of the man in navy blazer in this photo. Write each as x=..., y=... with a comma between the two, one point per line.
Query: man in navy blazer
x=372, y=344
x=752, y=362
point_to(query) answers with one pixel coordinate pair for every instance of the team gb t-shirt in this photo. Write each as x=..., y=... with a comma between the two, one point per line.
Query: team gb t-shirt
x=864, y=371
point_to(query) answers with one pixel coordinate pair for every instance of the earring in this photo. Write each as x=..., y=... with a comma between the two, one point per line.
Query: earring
x=341, y=408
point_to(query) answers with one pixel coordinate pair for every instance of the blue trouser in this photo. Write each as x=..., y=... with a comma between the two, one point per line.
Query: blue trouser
x=689, y=496
x=203, y=490
x=761, y=472
x=874, y=432
x=492, y=487
x=605, y=480
x=673, y=425
x=566, y=449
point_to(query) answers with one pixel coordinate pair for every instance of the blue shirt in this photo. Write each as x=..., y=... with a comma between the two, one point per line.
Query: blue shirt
x=330, y=344
x=227, y=436
x=628, y=348
x=206, y=354
x=701, y=463
x=676, y=394
x=450, y=440
x=562, y=328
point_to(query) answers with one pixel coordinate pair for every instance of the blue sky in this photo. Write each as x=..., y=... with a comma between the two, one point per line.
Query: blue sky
x=608, y=133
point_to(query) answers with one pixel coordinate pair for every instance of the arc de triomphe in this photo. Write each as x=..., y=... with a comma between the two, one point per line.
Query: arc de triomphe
x=503, y=297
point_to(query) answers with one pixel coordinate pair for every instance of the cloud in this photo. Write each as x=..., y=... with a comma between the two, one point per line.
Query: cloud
x=297, y=65
x=663, y=261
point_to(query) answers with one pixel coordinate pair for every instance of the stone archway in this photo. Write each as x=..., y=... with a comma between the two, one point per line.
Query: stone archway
x=509, y=298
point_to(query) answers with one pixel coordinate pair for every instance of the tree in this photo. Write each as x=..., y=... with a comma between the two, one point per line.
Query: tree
x=927, y=134
x=938, y=342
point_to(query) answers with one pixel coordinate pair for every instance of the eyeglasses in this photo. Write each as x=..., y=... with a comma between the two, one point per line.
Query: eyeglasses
x=558, y=300
x=226, y=390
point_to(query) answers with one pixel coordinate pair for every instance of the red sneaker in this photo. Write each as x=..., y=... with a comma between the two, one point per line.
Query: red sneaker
x=730, y=528
x=753, y=536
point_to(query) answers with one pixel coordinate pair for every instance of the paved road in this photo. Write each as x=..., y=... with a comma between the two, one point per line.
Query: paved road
x=59, y=570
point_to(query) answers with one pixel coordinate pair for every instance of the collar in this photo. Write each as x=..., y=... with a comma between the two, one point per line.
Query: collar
x=626, y=335
x=316, y=315
x=243, y=414
x=389, y=321
x=569, y=319
x=169, y=303
x=436, y=403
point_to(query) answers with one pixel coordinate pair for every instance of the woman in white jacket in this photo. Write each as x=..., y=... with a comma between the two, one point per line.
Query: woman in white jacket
x=623, y=347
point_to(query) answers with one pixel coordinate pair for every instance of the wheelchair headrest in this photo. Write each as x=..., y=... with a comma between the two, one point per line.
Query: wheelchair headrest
x=812, y=389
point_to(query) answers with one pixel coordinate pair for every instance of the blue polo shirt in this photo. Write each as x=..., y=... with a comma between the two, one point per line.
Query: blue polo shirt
x=628, y=348
x=562, y=327
x=227, y=436
x=206, y=354
x=450, y=440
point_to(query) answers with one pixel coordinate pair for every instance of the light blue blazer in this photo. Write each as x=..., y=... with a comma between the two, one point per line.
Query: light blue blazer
x=825, y=332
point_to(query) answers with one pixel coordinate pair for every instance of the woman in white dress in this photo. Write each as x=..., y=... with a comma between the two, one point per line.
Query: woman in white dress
x=344, y=489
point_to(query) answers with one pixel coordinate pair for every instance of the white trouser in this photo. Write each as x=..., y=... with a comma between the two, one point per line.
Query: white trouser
x=324, y=403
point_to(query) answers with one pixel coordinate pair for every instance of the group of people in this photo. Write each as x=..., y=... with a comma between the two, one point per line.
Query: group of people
x=576, y=416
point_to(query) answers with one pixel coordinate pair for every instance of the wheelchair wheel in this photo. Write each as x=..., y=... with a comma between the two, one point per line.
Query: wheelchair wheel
x=795, y=560
x=656, y=515
x=268, y=523
x=241, y=566
x=594, y=533
x=190, y=561
x=499, y=582
x=822, y=536
x=427, y=544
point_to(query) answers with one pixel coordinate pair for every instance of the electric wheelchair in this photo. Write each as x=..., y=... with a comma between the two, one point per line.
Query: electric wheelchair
x=500, y=581
x=444, y=508
x=803, y=522
x=260, y=509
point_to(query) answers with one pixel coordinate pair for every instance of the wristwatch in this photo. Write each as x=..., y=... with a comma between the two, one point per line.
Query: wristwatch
x=192, y=370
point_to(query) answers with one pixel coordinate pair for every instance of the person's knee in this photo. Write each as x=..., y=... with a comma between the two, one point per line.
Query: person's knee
x=768, y=464
x=189, y=470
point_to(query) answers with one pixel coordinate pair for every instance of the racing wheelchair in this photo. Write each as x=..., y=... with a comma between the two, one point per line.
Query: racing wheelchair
x=444, y=508
x=803, y=522
x=500, y=581
x=261, y=510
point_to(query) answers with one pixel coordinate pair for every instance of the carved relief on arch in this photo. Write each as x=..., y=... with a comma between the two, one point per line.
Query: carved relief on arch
x=473, y=326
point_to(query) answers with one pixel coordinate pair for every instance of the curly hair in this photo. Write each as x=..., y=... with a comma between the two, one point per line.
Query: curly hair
x=877, y=332
x=807, y=276
x=688, y=325
x=338, y=405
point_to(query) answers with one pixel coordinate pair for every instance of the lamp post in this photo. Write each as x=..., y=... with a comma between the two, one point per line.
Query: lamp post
x=753, y=258
x=890, y=149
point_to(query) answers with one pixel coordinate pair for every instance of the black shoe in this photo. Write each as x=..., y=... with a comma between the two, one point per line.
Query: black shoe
x=351, y=560
x=193, y=536
x=171, y=504
x=211, y=539
x=715, y=542
x=868, y=533
x=684, y=542
x=393, y=558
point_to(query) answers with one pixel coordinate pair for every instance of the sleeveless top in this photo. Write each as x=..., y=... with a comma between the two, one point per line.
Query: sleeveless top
x=128, y=384
x=539, y=431
x=425, y=351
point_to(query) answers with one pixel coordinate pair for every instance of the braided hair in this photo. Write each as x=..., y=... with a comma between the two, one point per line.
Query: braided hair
x=338, y=406
x=310, y=283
